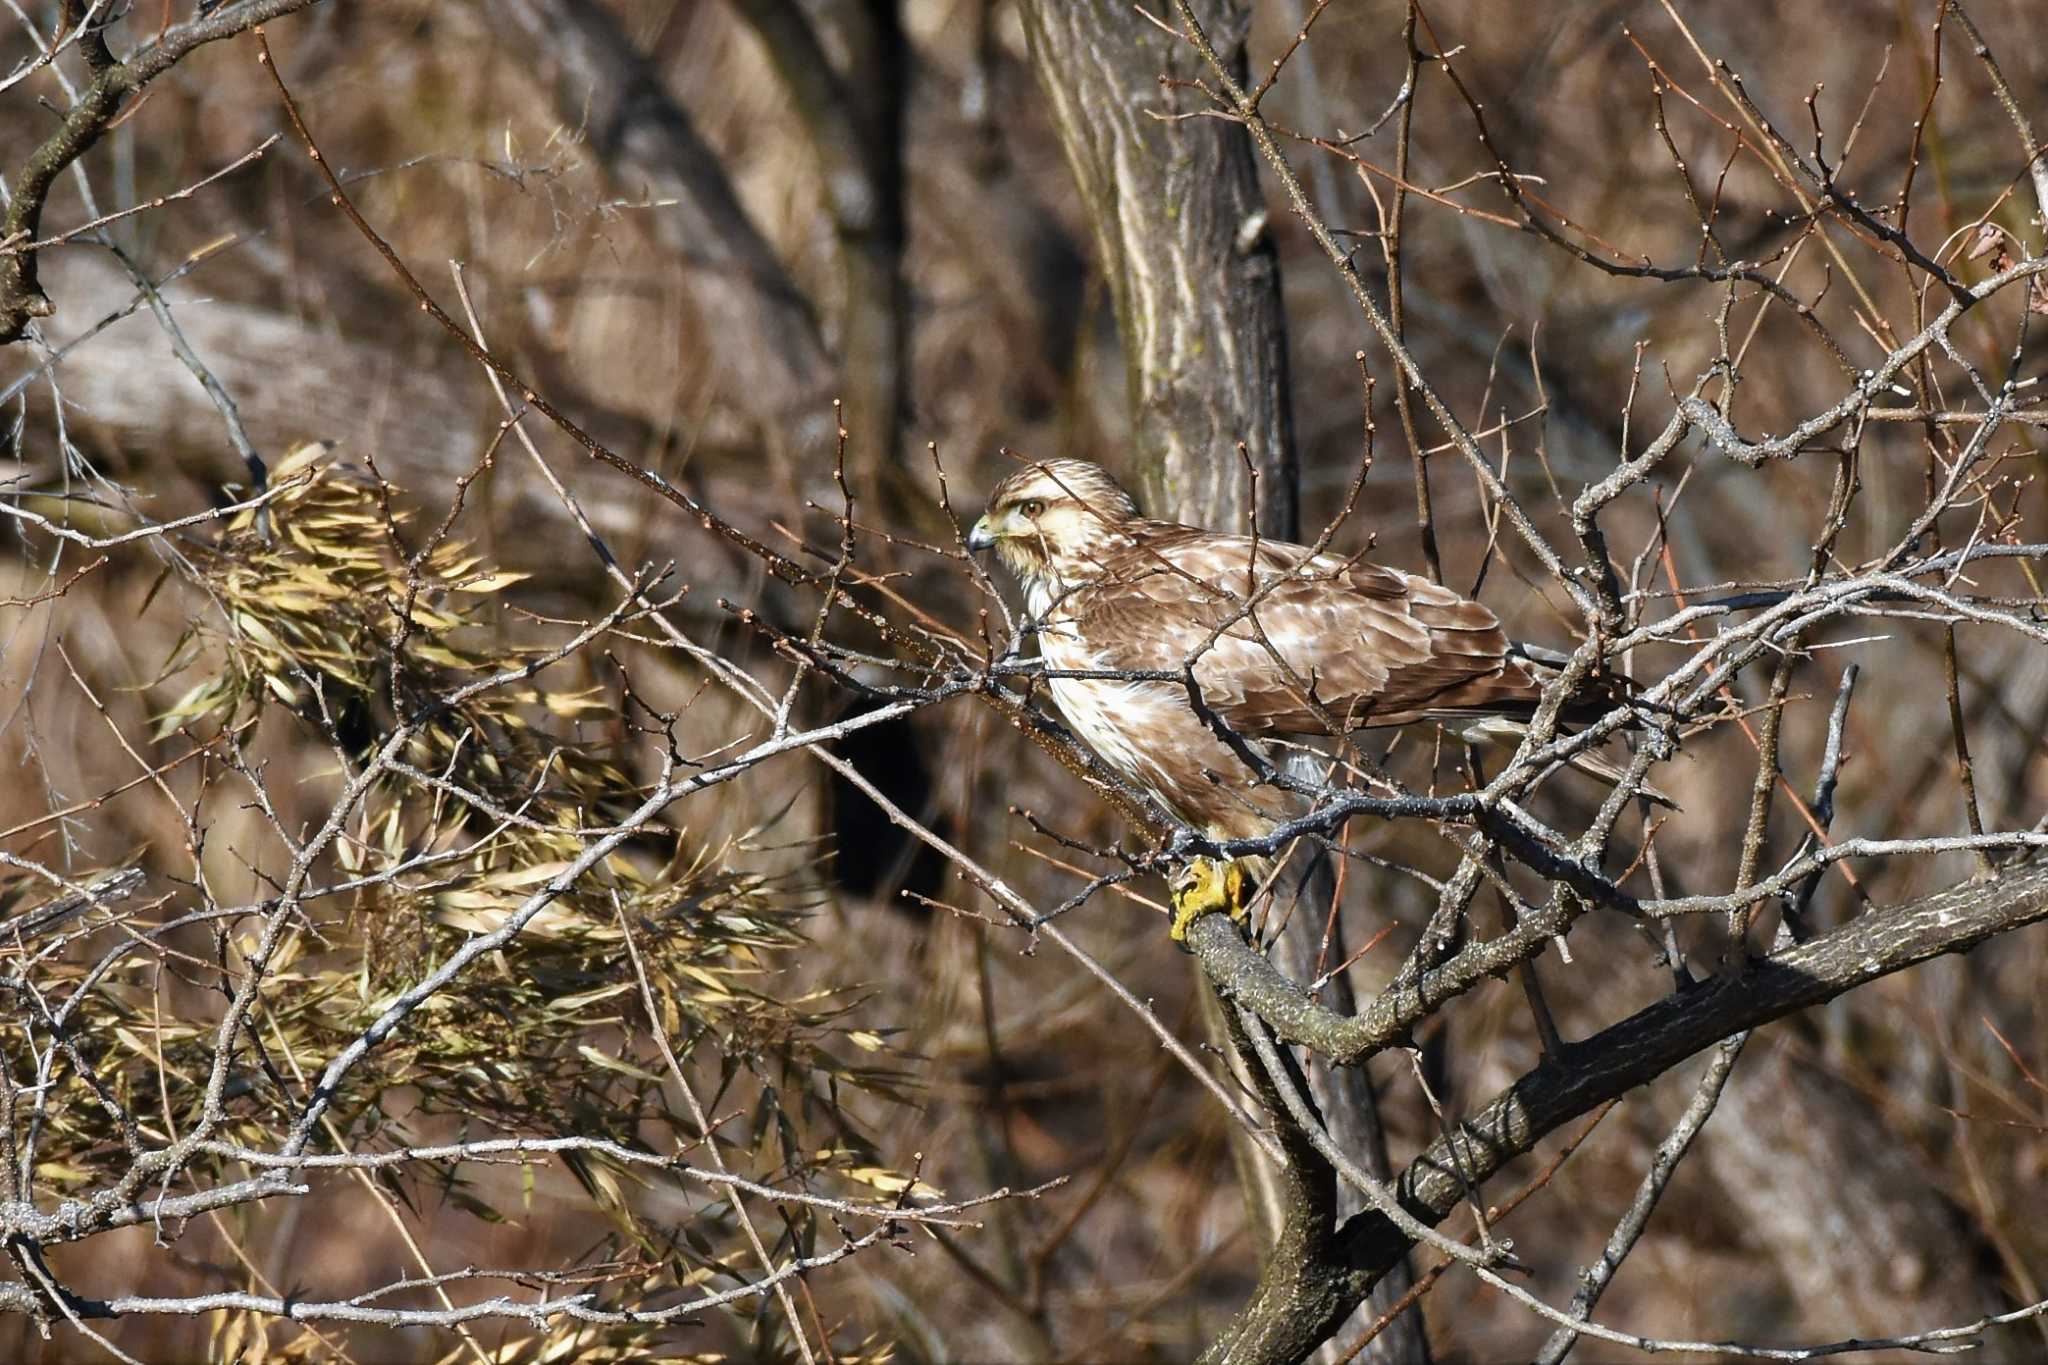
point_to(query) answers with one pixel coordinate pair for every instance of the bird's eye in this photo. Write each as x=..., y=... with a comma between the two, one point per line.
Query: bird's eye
x=1031, y=507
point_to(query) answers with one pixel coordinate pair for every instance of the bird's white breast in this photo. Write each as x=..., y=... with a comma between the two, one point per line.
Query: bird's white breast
x=1107, y=713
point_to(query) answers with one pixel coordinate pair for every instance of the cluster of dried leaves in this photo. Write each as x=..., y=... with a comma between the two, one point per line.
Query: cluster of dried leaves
x=309, y=612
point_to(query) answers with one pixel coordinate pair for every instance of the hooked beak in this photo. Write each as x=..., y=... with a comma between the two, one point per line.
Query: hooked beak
x=981, y=537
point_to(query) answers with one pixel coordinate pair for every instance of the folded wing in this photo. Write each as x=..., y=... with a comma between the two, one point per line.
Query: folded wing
x=1281, y=639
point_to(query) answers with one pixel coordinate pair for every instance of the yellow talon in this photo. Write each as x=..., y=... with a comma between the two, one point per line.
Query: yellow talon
x=1204, y=886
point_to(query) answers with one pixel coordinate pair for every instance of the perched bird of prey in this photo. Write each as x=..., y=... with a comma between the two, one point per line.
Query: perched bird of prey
x=1283, y=641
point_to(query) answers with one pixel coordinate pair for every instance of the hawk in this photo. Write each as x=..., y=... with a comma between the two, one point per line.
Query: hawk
x=1282, y=641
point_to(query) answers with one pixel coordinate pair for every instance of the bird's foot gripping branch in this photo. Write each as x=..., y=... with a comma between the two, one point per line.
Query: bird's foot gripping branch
x=1208, y=886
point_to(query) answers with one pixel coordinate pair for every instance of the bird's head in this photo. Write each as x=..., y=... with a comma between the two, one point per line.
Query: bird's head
x=1055, y=520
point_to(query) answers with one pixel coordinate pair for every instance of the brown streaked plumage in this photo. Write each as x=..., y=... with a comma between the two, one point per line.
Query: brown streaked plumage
x=1326, y=638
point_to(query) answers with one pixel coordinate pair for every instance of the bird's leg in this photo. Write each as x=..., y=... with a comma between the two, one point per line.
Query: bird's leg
x=1204, y=886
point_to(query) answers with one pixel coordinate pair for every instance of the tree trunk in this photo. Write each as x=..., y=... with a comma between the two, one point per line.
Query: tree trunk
x=1350, y=1109
x=1180, y=230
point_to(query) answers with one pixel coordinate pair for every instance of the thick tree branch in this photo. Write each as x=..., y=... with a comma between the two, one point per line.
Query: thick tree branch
x=1347, y=1040
x=1628, y=1054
